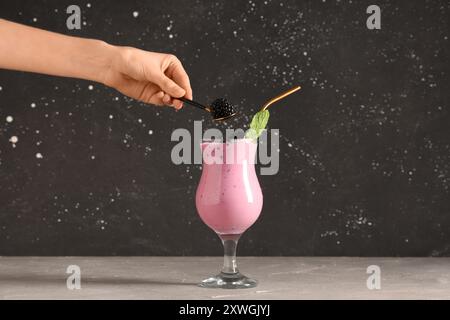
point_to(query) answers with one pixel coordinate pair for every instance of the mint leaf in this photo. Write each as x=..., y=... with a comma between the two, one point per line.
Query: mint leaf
x=258, y=124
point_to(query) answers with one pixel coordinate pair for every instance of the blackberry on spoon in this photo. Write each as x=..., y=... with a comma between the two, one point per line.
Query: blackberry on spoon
x=220, y=108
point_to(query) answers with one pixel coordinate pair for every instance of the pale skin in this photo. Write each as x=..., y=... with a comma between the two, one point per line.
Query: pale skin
x=150, y=77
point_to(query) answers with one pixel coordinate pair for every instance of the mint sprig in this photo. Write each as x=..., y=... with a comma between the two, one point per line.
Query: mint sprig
x=258, y=124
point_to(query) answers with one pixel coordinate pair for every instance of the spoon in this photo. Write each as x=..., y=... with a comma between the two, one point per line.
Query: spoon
x=220, y=108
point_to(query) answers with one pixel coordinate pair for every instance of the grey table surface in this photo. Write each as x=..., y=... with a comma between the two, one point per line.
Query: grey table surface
x=177, y=278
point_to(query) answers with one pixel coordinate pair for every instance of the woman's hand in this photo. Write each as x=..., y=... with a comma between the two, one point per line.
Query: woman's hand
x=151, y=77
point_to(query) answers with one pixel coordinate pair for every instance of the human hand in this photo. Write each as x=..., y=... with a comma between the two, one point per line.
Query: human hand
x=151, y=77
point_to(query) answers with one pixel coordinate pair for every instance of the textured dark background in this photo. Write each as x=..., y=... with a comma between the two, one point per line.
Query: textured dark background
x=364, y=155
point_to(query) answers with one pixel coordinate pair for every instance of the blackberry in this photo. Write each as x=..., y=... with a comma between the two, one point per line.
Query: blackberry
x=221, y=109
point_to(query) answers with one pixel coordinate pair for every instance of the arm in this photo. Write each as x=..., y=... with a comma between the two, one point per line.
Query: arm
x=151, y=77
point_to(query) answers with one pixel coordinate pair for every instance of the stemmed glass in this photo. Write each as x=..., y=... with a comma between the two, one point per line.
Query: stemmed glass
x=229, y=200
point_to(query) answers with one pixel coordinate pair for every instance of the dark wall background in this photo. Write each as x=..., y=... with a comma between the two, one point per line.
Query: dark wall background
x=365, y=150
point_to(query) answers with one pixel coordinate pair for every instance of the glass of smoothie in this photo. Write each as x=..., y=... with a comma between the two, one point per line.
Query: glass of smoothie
x=229, y=200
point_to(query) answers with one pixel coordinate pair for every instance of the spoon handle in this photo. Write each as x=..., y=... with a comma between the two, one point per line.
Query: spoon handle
x=194, y=103
x=279, y=97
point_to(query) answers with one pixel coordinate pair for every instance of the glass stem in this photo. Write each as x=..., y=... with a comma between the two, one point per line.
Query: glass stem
x=230, y=242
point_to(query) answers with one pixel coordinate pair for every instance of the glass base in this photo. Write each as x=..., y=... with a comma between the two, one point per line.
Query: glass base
x=229, y=281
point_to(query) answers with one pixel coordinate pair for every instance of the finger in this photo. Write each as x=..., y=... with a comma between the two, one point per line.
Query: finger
x=158, y=95
x=148, y=93
x=167, y=99
x=157, y=99
x=170, y=87
x=177, y=104
x=179, y=75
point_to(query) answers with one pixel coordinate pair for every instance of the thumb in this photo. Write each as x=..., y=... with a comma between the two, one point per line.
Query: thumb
x=170, y=87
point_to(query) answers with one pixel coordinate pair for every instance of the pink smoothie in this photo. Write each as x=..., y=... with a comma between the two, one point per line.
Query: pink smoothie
x=229, y=198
